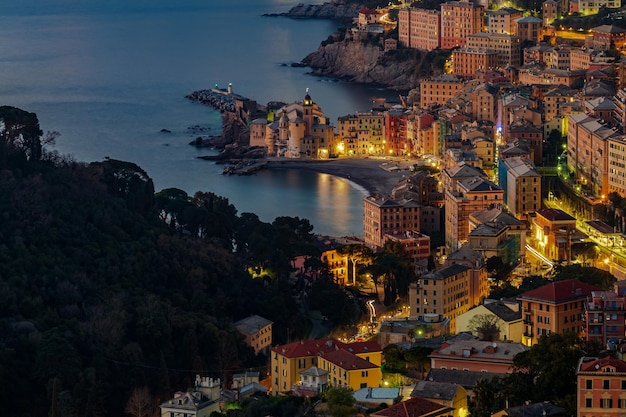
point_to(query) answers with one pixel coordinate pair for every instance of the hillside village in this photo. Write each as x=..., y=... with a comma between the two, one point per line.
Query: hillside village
x=516, y=153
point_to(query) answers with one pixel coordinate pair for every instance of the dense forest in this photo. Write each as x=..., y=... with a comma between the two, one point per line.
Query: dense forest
x=107, y=286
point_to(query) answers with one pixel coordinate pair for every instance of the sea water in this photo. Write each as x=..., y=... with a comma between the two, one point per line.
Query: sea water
x=111, y=77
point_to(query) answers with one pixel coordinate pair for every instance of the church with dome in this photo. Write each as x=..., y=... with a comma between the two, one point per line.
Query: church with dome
x=296, y=130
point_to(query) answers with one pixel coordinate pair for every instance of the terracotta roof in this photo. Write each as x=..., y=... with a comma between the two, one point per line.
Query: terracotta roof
x=414, y=407
x=305, y=348
x=560, y=291
x=346, y=360
x=554, y=214
x=598, y=364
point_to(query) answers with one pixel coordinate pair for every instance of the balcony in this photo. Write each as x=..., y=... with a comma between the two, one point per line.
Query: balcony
x=528, y=322
x=528, y=334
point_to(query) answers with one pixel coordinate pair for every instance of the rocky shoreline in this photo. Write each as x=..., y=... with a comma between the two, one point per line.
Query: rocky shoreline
x=336, y=10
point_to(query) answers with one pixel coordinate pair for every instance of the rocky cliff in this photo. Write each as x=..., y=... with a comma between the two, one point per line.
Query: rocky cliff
x=366, y=63
x=336, y=9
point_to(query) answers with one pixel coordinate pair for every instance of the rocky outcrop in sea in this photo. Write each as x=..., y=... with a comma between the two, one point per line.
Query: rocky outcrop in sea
x=336, y=9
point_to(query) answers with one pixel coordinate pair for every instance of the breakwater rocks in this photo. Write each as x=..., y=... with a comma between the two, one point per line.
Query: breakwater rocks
x=215, y=98
x=336, y=9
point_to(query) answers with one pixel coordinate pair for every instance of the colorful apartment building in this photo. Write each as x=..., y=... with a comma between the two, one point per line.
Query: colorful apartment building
x=419, y=28
x=395, y=133
x=508, y=47
x=617, y=164
x=471, y=195
x=384, y=216
x=605, y=317
x=528, y=28
x=458, y=21
x=288, y=361
x=601, y=383
x=554, y=308
x=588, y=152
x=360, y=134
x=553, y=230
x=439, y=90
x=442, y=293
x=466, y=62
x=478, y=277
x=521, y=182
x=348, y=370
x=529, y=133
x=503, y=20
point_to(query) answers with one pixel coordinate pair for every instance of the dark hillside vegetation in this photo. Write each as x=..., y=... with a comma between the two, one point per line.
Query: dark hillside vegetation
x=106, y=287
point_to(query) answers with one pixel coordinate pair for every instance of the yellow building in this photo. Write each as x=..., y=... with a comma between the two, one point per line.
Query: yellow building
x=349, y=371
x=507, y=316
x=450, y=395
x=443, y=293
x=288, y=361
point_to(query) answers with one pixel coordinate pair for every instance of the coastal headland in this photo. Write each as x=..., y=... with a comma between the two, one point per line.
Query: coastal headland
x=377, y=176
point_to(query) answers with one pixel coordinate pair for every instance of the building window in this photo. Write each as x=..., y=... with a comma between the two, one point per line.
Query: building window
x=589, y=384
x=606, y=384
x=606, y=403
x=588, y=402
x=364, y=373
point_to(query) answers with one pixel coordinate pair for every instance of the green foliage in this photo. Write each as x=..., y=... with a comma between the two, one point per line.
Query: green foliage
x=588, y=275
x=547, y=372
x=340, y=401
x=394, y=361
x=332, y=302
x=107, y=287
x=487, y=397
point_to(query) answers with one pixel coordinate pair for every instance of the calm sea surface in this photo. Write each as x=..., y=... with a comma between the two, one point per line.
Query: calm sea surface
x=109, y=75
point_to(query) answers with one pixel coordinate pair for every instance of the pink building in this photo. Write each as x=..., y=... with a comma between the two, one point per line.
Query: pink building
x=605, y=317
x=458, y=21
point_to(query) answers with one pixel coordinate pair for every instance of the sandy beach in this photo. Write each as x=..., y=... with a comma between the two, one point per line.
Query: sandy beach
x=366, y=172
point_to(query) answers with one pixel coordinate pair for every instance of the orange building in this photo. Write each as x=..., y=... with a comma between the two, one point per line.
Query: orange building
x=552, y=230
x=439, y=90
x=601, y=386
x=554, y=308
x=458, y=21
x=466, y=62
